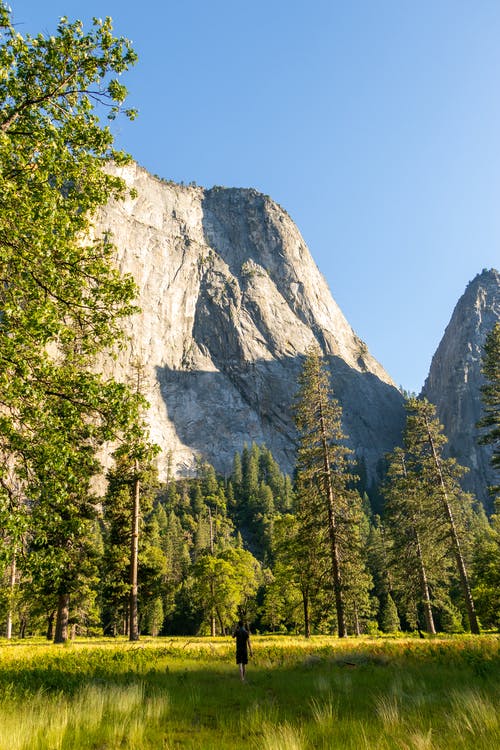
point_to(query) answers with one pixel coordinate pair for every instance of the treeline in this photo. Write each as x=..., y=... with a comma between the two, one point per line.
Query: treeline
x=307, y=555
x=214, y=549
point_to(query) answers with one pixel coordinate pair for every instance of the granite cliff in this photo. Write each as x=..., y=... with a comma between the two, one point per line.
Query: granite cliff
x=231, y=299
x=455, y=379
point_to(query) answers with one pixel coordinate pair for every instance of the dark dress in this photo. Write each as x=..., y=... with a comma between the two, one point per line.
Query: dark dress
x=242, y=637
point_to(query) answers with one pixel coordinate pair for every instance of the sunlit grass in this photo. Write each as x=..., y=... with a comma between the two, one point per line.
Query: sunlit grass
x=324, y=711
x=117, y=715
x=378, y=694
x=388, y=711
x=474, y=713
x=281, y=737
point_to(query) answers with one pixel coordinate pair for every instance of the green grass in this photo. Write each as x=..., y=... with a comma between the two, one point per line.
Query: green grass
x=373, y=694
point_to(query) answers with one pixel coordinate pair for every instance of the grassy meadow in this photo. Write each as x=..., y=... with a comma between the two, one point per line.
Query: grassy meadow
x=378, y=693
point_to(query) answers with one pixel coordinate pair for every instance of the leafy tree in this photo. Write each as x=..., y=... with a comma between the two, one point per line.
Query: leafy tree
x=63, y=510
x=13, y=526
x=224, y=584
x=62, y=299
x=299, y=568
x=152, y=571
x=57, y=290
x=248, y=574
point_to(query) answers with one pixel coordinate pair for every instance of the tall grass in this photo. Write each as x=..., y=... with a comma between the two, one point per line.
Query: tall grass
x=378, y=694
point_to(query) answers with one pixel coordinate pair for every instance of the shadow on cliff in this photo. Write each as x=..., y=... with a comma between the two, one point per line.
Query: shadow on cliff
x=237, y=225
x=248, y=394
x=216, y=412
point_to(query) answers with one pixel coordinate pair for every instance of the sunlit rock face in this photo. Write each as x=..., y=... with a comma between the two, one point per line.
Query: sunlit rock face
x=455, y=379
x=231, y=300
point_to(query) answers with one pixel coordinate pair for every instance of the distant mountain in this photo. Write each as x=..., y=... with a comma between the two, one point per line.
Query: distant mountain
x=455, y=379
x=231, y=300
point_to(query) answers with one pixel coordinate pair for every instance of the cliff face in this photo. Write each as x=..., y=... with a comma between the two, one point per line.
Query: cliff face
x=231, y=299
x=455, y=379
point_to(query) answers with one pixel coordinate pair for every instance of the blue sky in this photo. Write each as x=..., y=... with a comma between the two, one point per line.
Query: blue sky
x=374, y=123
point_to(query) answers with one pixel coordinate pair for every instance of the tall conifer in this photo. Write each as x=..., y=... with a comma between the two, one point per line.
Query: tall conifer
x=326, y=504
x=433, y=495
x=491, y=398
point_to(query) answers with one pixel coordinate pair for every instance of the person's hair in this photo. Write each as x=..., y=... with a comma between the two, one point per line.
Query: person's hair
x=240, y=623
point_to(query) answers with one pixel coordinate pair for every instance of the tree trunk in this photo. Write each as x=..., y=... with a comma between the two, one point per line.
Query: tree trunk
x=221, y=624
x=61, y=634
x=212, y=593
x=50, y=625
x=134, y=557
x=424, y=588
x=469, y=601
x=12, y=583
x=424, y=585
x=307, y=623
x=357, y=628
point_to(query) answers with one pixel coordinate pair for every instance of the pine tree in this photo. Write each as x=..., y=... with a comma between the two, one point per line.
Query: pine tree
x=326, y=504
x=114, y=590
x=389, y=618
x=434, y=481
x=176, y=549
x=417, y=541
x=125, y=509
x=379, y=550
x=487, y=571
x=360, y=604
x=490, y=423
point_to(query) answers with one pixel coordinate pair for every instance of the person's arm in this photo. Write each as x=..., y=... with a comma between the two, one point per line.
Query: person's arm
x=250, y=647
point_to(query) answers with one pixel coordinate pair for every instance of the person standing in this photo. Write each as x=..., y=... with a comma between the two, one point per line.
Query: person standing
x=243, y=648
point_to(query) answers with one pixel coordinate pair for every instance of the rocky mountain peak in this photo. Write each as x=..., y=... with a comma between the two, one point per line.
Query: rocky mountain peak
x=455, y=378
x=231, y=300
